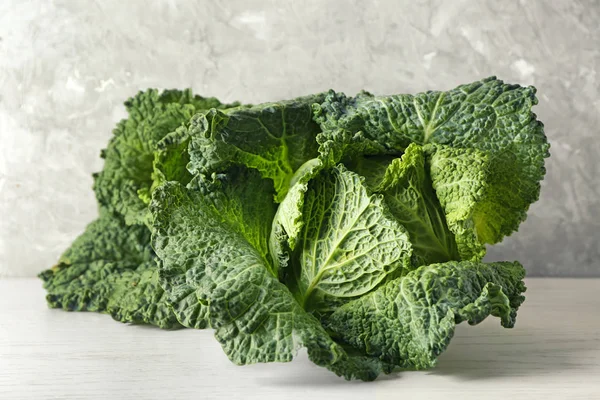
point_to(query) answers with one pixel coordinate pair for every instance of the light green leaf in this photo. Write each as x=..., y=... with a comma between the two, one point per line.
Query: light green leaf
x=110, y=268
x=407, y=190
x=487, y=115
x=274, y=138
x=288, y=221
x=349, y=242
x=409, y=321
x=461, y=178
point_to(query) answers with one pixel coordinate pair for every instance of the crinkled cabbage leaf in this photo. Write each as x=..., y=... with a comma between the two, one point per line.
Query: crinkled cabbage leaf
x=409, y=321
x=407, y=189
x=274, y=138
x=110, y=268
x=348, y=244
x=124, y=184
x=489, y=115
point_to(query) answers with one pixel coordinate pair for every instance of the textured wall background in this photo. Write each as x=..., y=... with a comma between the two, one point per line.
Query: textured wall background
x=67, y=66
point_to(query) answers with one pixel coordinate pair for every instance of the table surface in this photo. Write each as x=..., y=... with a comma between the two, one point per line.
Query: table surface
x=552, y=353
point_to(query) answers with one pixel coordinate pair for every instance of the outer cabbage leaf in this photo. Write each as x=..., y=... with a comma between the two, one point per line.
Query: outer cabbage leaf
x=349, y=242
x=199, y=237
x=110, y=268
x=238, y=209
x=274, y=138
x=125, y=182
x=407, y=190
x=487, y=115
x=409, y=321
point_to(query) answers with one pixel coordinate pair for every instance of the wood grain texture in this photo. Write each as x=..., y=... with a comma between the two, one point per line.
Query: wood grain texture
x=552, y=353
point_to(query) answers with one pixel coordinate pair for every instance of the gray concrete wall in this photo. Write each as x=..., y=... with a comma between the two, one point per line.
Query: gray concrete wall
x=67, y=66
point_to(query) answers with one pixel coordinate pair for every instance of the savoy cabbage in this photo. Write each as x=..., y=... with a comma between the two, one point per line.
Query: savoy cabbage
x=352, y=226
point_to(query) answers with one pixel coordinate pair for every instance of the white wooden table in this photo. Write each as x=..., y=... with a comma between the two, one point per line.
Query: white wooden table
x=552, y=353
